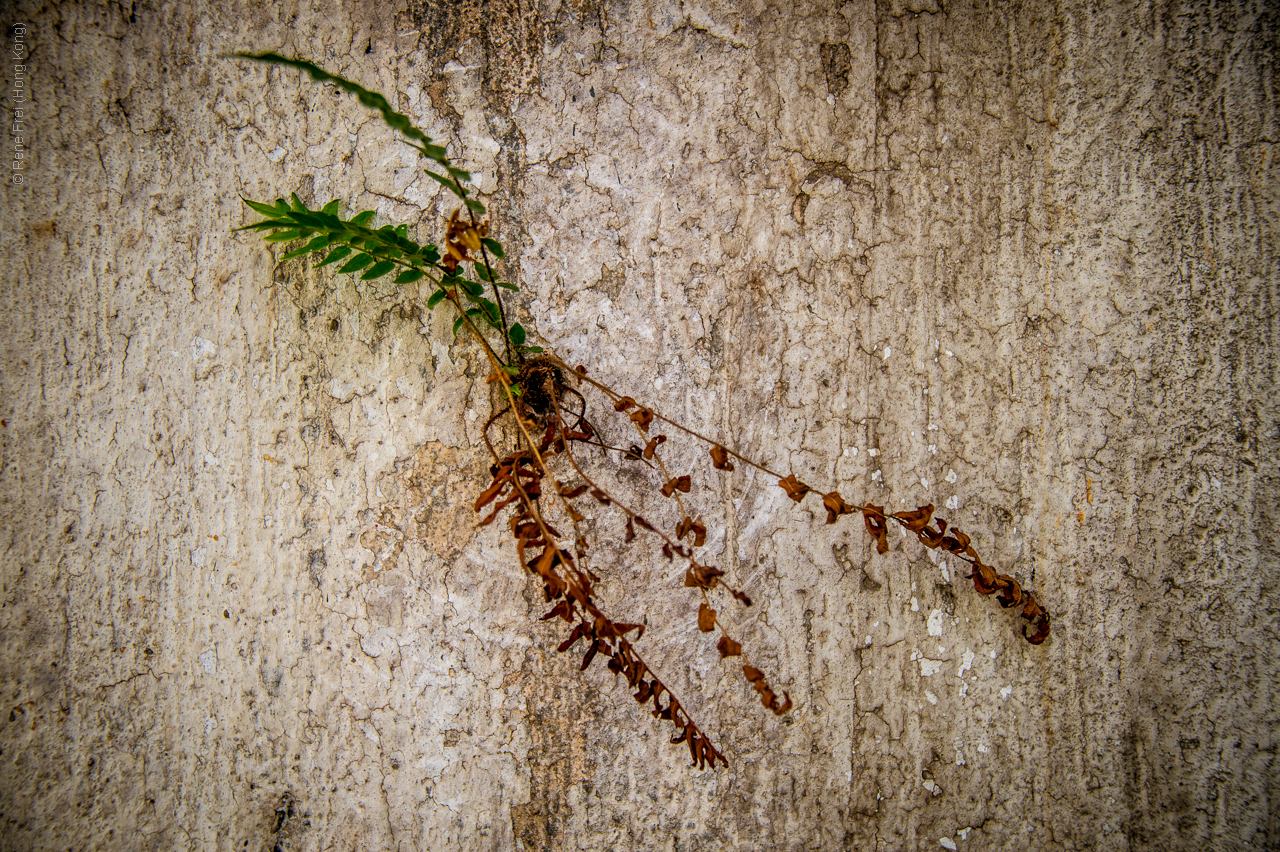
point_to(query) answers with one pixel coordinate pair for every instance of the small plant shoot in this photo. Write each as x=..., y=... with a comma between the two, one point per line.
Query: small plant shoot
x=544, y=410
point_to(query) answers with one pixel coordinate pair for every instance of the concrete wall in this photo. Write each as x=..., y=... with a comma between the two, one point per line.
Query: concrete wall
x=1017, y=260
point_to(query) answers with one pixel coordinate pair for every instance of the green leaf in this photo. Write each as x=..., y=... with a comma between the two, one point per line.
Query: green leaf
x=373, y=100
x=430, y=254
x=334, y=256
x=494, y=247
x=482, y=273
x=264, y=209
x=362, y=219
x=356, y=263
x=378, y=270
x=282, y=236
x=434, y=299
x=318, y=243
x=332, y=208
x=457, y=324
x=460, y=175
x=471, y=288
x=507, y=285
x=533, y=349
x=409, y=276
x=266, y=225
x=474, y=206
x=297, y=204
x=443, y=181
x=401, y=231
x=435, y=152
x=516, y=333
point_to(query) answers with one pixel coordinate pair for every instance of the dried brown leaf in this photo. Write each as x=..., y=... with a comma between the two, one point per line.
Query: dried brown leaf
x=917, y=519
x=706, y=618
x=836, y=506
x=873, y=517
x=720, y=458
x=729, y=647
x=795, y=488
x=642, y=417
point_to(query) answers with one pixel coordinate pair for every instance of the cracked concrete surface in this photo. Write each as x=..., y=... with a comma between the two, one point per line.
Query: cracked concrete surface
x=1018, y=261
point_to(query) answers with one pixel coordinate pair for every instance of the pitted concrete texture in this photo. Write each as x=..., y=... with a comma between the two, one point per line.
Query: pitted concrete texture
x=1017, y=260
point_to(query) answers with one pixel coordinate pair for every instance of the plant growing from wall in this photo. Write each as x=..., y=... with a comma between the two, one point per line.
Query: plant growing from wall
x=540, y=481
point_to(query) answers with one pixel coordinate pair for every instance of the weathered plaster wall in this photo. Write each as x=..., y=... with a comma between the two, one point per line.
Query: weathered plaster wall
x=1018, y=260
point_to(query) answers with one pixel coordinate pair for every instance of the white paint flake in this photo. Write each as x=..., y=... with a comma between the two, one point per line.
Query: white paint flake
x=930, y=697
x=948, y=843
x=929, y=668
x=1006, y=692
x=966, y=662
x=915, y=605
x=209, y=661
x=951, y=476
x=935, y=623
x=953, y=502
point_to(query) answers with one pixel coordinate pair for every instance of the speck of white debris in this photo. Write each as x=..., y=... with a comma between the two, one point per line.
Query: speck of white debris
x=209, y=661
x=935, y=623
x=933, y=427
x=854, y=450
x=915, y=605
x=930, y=697
x=197, y=558
x=210, y=459
x=873, y=452
x=924, y=483
x=868, y=639
x=952, y=354
x=930, y=785
x=887, y=353
x=952, y=476
x=1215, y=482
x=953, y=502
x=1006, y=692
x=929, y=668
x=328, y=485
x=201, y=348
x=963, y=833
x=948, y=843
x=933, y=448
x=875, y=476
x=966, y=662
x=277, y=155
x=982, y=748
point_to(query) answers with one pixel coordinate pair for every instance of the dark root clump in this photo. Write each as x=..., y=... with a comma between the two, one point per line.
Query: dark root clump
x=539, y=382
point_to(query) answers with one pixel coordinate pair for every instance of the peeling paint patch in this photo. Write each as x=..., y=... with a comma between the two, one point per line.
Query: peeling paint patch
x=201, y=348
x=929, y=668
x=966, y=662
x=935, y=623
x=930, y=697
x=1006, y=692
x=947, y=843
x=209, y=661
